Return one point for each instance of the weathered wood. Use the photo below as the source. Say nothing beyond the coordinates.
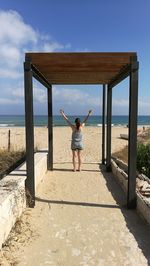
(50, 130)
(109, 118)
(83, 68)
(80, 68)
(123, 74)
(132, 148)
(80, 78)
(103, 124)
(30, 183)
(76, 68)
(80, 58)
(9, 140)
(39, 76)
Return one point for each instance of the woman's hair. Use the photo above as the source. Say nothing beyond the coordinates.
(78, 123)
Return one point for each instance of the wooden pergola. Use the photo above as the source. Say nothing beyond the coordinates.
(107, 69)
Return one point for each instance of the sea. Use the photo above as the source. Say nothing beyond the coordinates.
(42, 120)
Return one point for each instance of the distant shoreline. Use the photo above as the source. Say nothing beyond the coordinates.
(95, 121)
(64, 126)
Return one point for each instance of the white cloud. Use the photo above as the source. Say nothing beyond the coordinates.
(16, 95)
(14, 35)
(8, 101)
(144, 103)
(18, 92)
(40, 95)
(9, 55)
(75, 96)
(125, 103)
(52, 46)
(10, 73)
(120, 102)
(13, 29)
(16, 38)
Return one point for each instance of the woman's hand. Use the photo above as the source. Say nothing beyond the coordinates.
(66, 118)
(61, 111)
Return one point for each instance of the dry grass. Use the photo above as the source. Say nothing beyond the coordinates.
(8, 159)
(146, 137)
(21, 234)
(123, 154)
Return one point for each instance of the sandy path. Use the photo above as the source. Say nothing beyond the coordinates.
(80, 218)
(62, 138)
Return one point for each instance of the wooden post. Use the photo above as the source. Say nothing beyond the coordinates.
(30, 183)
(50, 130)
(9, 140)
(109, 114)
(103, 125)
(132, 149)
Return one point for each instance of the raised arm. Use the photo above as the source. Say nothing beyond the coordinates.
(66, 118)
(86, 118)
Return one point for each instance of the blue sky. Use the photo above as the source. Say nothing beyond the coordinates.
(51, 26)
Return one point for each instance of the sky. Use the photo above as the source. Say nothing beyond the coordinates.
(72, 26)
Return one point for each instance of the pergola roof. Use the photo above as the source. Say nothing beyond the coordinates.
(81, 68)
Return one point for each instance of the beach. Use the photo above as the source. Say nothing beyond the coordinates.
(62, 141)
(79, 218)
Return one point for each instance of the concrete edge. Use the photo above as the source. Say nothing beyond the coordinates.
(143, 209)
(12, 194)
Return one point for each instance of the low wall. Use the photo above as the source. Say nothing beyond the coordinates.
(143, 207)
(120, 175)
(12, 193)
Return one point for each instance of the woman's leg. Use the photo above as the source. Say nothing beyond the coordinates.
(74, 160)
(79, 160)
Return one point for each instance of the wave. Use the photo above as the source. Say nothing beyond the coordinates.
(7, 125)
(100, 125)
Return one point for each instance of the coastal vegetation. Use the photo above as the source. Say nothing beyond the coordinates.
(143, 154)
(9, 160)
(143, 159)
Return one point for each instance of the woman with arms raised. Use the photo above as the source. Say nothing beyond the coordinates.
(77, 138)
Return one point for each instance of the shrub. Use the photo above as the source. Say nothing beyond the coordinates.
(143, 159)
(9, 161)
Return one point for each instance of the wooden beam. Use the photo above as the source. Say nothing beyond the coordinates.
(81, 68)
(123, 74)
(80, 78)
(30, 183)
(39, 77)
(50, 130)
(109, 118)
(132, 149)
(80, 59)
(103, 124)
(76, 68)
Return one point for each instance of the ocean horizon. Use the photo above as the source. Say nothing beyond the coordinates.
(94, 120)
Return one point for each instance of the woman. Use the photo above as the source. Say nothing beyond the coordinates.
(77, 138)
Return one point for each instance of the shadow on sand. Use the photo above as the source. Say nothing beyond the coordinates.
(136, 225)
(70, 170)
(86, 204)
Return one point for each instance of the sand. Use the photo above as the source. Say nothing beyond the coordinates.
(80, 218)
(62, 139)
